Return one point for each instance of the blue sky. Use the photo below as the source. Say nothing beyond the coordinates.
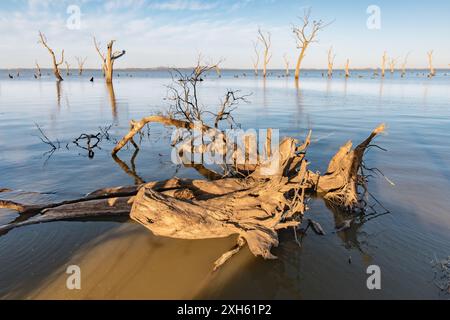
(174, 32)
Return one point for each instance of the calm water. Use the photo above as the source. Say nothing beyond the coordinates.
(120, 259)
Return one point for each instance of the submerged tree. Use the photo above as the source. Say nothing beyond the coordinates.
(256, 58)
(56, 64)
(405, 62)
(347, 70)
(108, 59)
(81, 63)
(331, 57)
(430, 63)
(67, 68)
(38, 73)
(306, 34)
(392, 63)
(286, 64)
(383, 64)
(266, 39)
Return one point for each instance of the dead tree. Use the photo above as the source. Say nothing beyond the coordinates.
(266, 39)
(405, 62)
(67, 68)
(305, 35)
(383, 64)
(108, 59)
(347, 70)
(43, 41)
(256, 58)
(430, 64)
(286, 64)
(392, 63)
(81, 63)
(331, 57)
(38, 73)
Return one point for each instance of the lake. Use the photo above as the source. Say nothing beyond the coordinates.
(120, 259)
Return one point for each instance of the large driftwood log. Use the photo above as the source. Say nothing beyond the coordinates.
(253, 207)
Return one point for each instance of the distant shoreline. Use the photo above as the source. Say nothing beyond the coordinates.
(223, 69)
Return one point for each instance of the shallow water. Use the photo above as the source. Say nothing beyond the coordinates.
(120, 259)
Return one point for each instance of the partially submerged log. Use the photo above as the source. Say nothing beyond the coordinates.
(254, 207)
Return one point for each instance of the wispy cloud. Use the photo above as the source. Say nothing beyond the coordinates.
(179, 5)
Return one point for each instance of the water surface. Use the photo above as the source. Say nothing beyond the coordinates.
(121, 259)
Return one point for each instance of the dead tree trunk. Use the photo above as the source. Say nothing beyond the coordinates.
(43, 41)
(331, 57)
(405, 62)
(81, 63)
(286, 64)
(38, 70)
(392, 64)
(347, 70)
(306, 34)
(109, 59)
(383, 64)
(430, 64)
(67, 68)
(265, 39)
(256, 59)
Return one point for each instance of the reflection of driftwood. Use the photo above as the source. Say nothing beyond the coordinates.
(131, 172)
(254, 207)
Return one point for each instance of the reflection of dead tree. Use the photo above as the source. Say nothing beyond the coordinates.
(430, 64)
(383, 64)
(112, 99)
(256, 58)
(81, 63)
(53, 145)
(331, 56)
(266, 39)
(38, 73)
(405, 62)
(108, 59)
(347, 70)
(90, 142)
(131, 172)
(43, 41)
(306, 34)
(286, 64)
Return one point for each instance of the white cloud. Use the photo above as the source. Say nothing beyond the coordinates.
(178, 5)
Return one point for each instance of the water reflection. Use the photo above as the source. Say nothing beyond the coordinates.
(130, 171)
(112, 100)
(58, 95)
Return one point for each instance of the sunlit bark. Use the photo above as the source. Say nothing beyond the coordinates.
(306, 34)
(266, 39)
(347, 70)
(383, 64)
(56, 64)
(108, 59)
(331, 57)
(286, 64)
(430, 63)
(81, 63)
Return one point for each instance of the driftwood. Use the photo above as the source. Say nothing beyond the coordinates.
(254, 206)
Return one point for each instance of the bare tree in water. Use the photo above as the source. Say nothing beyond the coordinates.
(56, 64)
(108, 59)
